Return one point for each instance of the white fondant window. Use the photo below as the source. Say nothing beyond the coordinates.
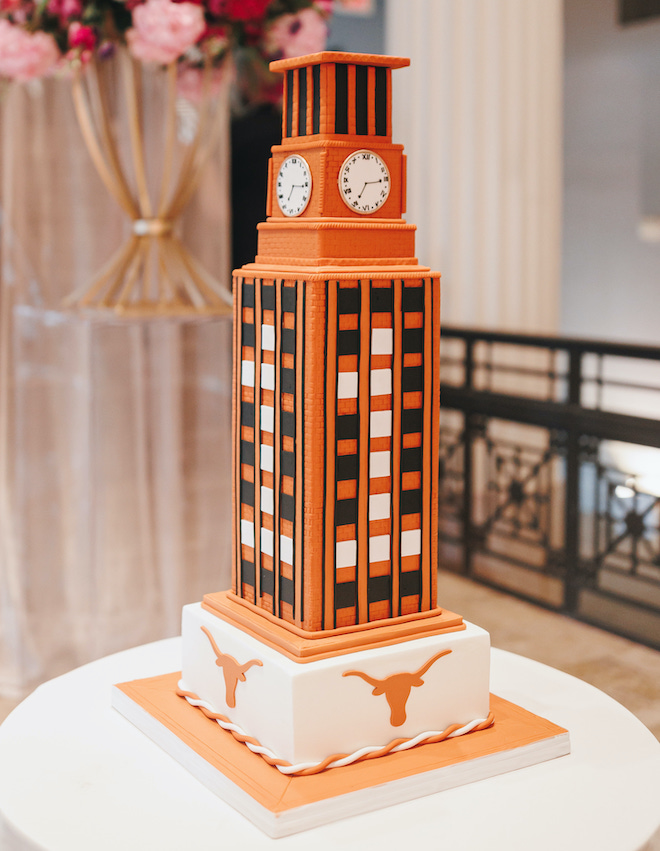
(381, 341)
(379, 548)
(381, 382)
(266, 500)
(267, 422)
(247, 373)
(347, 385)
(411, 542)
(379, 464)
(267, 376)
(379, 506)
(268, 337)
(380, 424)
(346, 553)
(266, 462)
(247, 533)
(266, 541)
(286, 549)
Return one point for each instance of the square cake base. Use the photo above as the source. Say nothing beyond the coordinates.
(282, 805)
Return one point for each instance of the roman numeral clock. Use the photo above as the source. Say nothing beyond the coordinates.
(336, 367)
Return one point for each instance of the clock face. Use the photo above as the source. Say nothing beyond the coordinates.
(293, 185)
(364, 182)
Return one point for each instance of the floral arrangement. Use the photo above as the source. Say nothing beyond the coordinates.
(39, 38)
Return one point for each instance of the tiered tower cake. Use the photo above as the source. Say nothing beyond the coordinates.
(336, 401)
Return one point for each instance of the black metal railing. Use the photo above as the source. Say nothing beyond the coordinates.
(550, 473)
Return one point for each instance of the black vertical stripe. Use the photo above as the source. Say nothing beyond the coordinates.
(341, 98)
(361, 100)
(336, 366)
(325, 567)
(289, 103)
(297, 413)
(381, 101)
(316, 98)
(302, 101)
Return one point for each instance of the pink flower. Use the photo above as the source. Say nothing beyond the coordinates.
(244, 10)
(164, 30)
(296, 35)
(24, 55)
(64, 9)
(81, 36)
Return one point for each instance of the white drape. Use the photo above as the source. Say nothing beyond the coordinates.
(114, 434)
(479, 112)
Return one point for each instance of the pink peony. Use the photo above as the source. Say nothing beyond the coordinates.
(296, 35)
(81, 36)
(164, 30)
(24, 55)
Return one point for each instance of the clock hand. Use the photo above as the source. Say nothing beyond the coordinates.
(369, 183)
(294, 186)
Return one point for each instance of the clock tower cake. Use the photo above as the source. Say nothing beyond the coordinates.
(330, 650)
(336, 387)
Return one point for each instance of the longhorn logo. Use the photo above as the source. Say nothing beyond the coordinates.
(233, 672)
(397, 687)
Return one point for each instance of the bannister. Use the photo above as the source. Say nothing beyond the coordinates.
(550, 482)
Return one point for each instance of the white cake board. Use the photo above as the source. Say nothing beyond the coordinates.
(281, 805)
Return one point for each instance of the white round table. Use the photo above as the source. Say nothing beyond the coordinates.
(75, 774)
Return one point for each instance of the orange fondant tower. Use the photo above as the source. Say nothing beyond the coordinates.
(336, 382)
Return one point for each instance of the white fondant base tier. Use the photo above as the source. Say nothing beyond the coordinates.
(306, 712)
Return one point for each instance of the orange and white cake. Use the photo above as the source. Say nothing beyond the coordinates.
(336, 390)
(331, 648)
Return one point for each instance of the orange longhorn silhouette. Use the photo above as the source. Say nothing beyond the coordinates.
(233, 672)
(396, 687)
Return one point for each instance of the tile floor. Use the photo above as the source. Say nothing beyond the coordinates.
(627, 671)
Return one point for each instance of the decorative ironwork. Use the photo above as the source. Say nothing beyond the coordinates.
(534, 482)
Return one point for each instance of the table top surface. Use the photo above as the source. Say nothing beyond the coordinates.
(75, 774)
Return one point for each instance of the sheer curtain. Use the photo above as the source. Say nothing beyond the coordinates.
(115, 444)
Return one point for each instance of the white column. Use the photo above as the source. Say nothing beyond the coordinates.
(479, 112)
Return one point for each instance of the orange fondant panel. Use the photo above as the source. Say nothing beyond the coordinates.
(513, 727)
(303, 645)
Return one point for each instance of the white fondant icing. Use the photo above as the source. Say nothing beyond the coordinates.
(346, 553)
(267, 420)
(379, 464)
(266, 458)
(247, 373)
(336, 763)
(381, 341)
(379, 506)
(379, 548)
(411, 542)
(381, 382)
(347, 385)
(268, 337)
(380, 424)
(305, 712)
(267, 376)
(266, 541)
(266, 500)
(247, 533)
(286, 549)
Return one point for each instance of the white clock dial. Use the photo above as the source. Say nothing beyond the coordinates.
(293, 185)
(364, 182)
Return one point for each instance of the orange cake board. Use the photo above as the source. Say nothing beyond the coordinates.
(281, 805)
